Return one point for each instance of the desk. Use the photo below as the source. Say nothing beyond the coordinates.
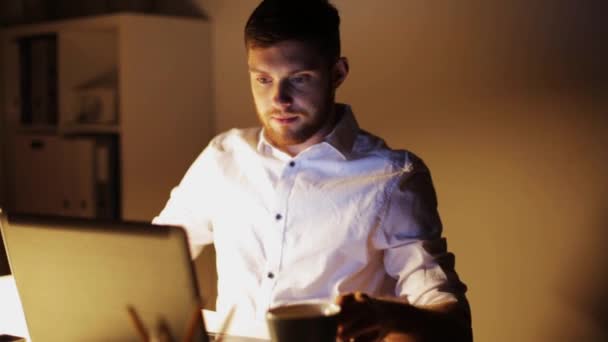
(12, 319)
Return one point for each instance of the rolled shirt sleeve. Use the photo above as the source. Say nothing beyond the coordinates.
(191, 203)
(415, 253)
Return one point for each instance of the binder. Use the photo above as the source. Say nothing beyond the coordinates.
(38, 69)
(76, 176)
(107, 177)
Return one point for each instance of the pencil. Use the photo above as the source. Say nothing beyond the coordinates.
(195, 318)
(139, 325)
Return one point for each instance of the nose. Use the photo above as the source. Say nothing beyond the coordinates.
(282, 96)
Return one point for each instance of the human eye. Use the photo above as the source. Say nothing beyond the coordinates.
(300, 79)
(263, 80)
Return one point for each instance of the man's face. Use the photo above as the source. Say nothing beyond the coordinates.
(293, 92)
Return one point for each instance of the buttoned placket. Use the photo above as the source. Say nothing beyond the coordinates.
(279, 218)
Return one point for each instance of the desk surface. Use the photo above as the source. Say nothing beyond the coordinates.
(12, 318)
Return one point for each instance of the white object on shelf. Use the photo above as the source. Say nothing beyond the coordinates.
(96, 105)
(88, 60)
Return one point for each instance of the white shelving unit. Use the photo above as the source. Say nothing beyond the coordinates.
(159, 70)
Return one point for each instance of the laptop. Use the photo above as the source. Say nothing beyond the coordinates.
(81, 280)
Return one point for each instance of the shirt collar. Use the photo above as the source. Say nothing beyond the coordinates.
(342, 137)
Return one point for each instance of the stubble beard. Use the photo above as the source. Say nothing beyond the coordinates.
(288, 136)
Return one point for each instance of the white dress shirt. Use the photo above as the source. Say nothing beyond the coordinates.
(347, 214)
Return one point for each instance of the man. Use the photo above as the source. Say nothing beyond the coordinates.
(311, 207)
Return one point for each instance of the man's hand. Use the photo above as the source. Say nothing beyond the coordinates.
(358, 318)
(364, 318)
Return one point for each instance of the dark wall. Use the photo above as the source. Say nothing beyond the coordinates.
(14, 12)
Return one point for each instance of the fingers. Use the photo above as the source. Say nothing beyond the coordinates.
(360, 332)
(361, 338)
(352, 297)
(352, 310)
(358, 325)
(358, 321)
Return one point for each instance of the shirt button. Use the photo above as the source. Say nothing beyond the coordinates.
(278, 217)
(270, 275)
(292, 163)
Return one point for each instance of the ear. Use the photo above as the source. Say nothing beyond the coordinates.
(339, 72)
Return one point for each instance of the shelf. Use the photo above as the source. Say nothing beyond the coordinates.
(71, 129)
(133, 57)
(37, 129)
(74, 129)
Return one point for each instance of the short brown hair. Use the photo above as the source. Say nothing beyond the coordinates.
(315, 22)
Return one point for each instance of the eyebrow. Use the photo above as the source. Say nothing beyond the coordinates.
(256, 70)
(252, 69)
